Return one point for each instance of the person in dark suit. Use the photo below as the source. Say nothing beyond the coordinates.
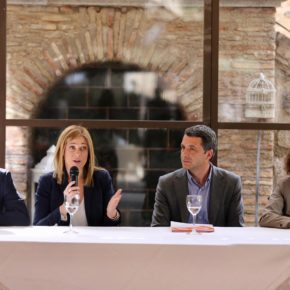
(221, 190)
(98, 202)
(13, 211)
(276, 214)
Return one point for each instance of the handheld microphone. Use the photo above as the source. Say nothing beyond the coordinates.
(74, 173)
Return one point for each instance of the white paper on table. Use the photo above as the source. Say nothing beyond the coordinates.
(185, 227)
(180, 227)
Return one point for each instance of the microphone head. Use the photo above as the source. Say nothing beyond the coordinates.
(74, 170)
(74, 173)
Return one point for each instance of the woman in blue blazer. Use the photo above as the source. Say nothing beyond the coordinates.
(98, 202)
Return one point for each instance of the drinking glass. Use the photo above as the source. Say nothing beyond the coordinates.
(194, 203)
(71, 204)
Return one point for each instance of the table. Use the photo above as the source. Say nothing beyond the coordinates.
(127, 258)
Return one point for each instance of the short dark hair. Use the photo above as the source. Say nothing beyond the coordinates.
(207, 135)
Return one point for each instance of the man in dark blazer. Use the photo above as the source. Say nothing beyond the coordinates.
(13, 211)
(221, 189)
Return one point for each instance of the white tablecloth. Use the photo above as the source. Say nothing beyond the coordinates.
(43, 258)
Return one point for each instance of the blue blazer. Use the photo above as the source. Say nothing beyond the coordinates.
(225, 208)
(49, 196)
(13, 211)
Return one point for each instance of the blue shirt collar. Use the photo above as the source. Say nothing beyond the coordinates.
(191, 178)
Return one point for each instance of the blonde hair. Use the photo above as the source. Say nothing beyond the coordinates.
(73, 132)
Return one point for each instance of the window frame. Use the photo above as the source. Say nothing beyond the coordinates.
(210, 91)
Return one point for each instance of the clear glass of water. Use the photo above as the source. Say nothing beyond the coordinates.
(194, 203)
(71, 203)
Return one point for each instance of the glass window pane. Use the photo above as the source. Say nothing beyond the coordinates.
(258, 157)
(63, 60)
(253, 81)
(133, 161)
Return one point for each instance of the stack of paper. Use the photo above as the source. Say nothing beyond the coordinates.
(187, 228)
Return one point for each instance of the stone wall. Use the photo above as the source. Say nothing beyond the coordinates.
(238, 152)
(46, 42)
(247, 48)
(282, 138)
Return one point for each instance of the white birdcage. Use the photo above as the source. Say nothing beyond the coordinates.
(260, 99)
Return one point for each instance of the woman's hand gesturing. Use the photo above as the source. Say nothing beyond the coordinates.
(112, 212)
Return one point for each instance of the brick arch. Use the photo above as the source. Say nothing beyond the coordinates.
(109, 38)
(83, 35)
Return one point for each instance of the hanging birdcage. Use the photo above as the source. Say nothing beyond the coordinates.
(260, 99)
